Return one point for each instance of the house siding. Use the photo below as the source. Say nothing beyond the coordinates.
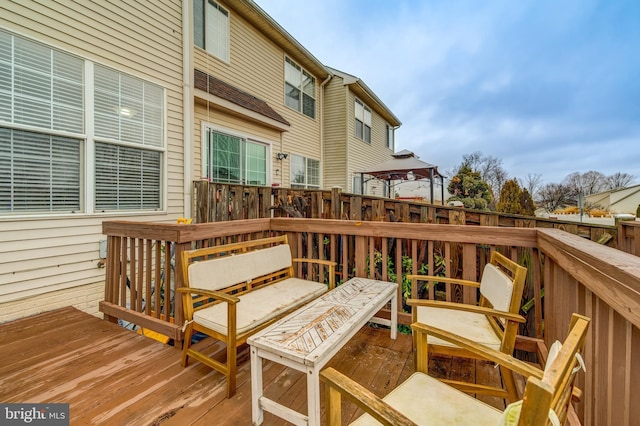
(335, 135)
(48, 262)
(256, 66)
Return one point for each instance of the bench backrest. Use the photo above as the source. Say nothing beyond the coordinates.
(226, 271)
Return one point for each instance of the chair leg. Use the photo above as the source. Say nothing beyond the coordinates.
(186, 344)
(509, 383)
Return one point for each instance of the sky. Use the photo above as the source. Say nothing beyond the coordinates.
(547, 87)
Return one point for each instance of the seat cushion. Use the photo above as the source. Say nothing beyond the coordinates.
(261, 305)
(427, 401)
(466, 324)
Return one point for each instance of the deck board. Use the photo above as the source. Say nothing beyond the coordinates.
(110, 375)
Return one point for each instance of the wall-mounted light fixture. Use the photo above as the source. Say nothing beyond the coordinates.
(281, 156)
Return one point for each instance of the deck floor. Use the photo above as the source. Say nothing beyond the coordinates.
(110, 375)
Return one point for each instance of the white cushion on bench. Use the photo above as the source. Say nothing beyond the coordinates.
(428, 401)
(260, 305)
(225, 271)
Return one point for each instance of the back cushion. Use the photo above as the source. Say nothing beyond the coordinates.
(496, 287)
(215, 274)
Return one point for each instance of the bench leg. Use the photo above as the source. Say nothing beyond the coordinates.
(231, 368)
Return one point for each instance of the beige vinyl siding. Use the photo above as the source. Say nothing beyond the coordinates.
(335, 135)
(51, 262)
(363, 155)
(256, 66)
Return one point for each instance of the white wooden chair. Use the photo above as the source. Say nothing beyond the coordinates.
(492, 323)
(423, 400)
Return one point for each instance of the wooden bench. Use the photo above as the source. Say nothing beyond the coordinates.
(234, 290)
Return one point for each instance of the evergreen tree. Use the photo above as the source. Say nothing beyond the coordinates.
(468, 187)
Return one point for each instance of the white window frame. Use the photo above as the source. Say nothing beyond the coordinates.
(88, 140)
(307, 164)
(243, 165)
(362, 115)
(215, 25)
(294, 81)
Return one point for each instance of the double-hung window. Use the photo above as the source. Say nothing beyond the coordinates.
(305, 172)
(234, 159)
(390, 137)
(363, 121)
(53, 152)
(128, 141)
(211, 28)
(299, 89)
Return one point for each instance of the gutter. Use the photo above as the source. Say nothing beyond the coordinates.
(322, 128)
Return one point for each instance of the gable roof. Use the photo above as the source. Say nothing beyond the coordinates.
(219, 88)
(358, 87)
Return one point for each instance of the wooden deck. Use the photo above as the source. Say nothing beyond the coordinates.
(110, 375)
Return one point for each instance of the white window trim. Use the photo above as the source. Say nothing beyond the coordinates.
(315, 83)
(365, 109)
(306, 183)
(226, 60)
(231, 132)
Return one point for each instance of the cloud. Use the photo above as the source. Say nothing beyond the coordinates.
(548, 87)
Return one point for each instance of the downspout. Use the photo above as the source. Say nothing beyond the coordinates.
(187, 104)
(322, 128)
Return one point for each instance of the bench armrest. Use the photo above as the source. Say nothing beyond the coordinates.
(498, 357)
(329, 263)
(339, 384)
(467, 308)
(209, 293)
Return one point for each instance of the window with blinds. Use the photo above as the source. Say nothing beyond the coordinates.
(40, 89)
(299, 89)
(43, 140)
(363, 121)
(305, 172)
(211, 28)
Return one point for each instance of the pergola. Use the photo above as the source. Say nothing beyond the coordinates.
(404, 166)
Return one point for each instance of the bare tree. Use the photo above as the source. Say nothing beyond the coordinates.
(532, 183)
(490, 169)
(619, 180)
(587, 183)
(553, 196)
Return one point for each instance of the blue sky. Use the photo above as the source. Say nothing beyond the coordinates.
(548, 87)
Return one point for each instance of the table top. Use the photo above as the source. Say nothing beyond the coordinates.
(315, 331)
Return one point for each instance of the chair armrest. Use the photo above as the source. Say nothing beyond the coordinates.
(467, 308)
(443, 280)
(363, 398)
(501, 358)
(210, 293)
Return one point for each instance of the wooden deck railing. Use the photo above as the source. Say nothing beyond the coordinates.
(575, 274)
(629, 236)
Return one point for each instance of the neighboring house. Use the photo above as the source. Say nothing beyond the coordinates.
(624, 200)
(109, 110)
(260, 121)
(359, 133)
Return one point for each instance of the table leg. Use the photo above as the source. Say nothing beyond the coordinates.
(257, 414)
(394, 315)
(313, 396)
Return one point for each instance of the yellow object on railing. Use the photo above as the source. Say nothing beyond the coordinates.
(184, 221)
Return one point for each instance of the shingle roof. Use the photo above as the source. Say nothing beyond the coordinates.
(232, 94)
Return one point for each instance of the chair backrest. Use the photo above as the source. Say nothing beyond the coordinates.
(231, 266)
(502, 283)
(554, 390)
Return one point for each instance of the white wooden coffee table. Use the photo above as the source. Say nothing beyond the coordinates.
(308, 338)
